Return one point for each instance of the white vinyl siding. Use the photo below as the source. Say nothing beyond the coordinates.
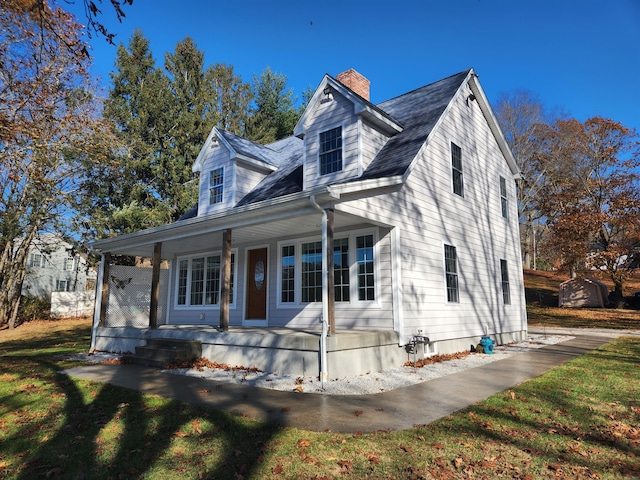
(337, 113)
(427, 215)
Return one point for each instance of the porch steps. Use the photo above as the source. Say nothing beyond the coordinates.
(160, 352)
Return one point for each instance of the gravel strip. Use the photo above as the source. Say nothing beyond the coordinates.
(373, 382)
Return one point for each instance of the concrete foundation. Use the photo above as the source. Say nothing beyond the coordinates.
(292, 351)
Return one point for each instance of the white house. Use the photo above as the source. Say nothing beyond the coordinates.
(394, 226)
(53, 266)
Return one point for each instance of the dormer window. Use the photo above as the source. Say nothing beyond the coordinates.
(331, 151)
(216, 182)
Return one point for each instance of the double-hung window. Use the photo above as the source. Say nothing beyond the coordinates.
(451, 273)
(353, 270)
(504, 202)
(36, 260)
(216, 186)
(199, 280)
(312, 272)
(341, 282)
(364, 254)
(62, 285)
(69, 265)
(504, 274)
(330, 151)
(456, 169)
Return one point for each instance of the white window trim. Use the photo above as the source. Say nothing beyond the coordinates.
(444, 274)
(318, 166)
(462, 170)
(506, 195)
(176, 278)
(209, 187)
(353, 271)
(500, 291)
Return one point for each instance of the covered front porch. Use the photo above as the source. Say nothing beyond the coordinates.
(273, 350)
(306, 337)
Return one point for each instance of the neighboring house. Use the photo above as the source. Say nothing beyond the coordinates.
(53, 267)
(373, 231)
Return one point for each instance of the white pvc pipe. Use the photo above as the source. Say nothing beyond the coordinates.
(325, 294)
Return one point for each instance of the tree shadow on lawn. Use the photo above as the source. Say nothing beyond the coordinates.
(142, 429)
(574, 435)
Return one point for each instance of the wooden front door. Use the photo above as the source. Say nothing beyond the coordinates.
(257, 285)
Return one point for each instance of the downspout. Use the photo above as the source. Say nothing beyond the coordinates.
(325, 294)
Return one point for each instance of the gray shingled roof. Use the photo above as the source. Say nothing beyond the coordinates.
(418, 111)
(287, 179)
(250, 149)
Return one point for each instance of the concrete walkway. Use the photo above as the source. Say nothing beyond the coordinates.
(393, 410)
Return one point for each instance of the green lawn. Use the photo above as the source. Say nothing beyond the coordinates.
(581, 420)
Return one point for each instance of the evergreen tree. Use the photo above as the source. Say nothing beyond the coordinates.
(232, 98)
(275, 116)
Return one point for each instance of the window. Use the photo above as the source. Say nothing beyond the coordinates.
(331, 151)
(503, 197)
(69, 264)
(341, 269)
(451, 272)
(216, 181)
(36, 260)
(288, 269)
(62, 285)
(300, 275)
(504, 272)
(364, 259)
(199, 280)
(456, 169)
(312, 272)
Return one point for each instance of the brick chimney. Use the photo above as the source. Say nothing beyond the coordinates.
(356, 82)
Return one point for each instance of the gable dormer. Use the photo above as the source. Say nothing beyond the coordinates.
(342, 130)
(229, 168)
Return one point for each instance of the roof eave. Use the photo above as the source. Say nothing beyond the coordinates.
(254, 213)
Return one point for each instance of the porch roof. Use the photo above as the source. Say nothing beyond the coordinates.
(284, 217)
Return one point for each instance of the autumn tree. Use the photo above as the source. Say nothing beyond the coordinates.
(591, 198)
(47, 113)
(523, 118)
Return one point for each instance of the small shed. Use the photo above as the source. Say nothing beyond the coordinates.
(583, 292)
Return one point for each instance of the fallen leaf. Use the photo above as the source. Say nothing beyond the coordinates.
(357, 413)
(406, 448)
(277, 470)
(303, 443)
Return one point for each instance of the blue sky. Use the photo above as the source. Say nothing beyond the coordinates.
(579, 55)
